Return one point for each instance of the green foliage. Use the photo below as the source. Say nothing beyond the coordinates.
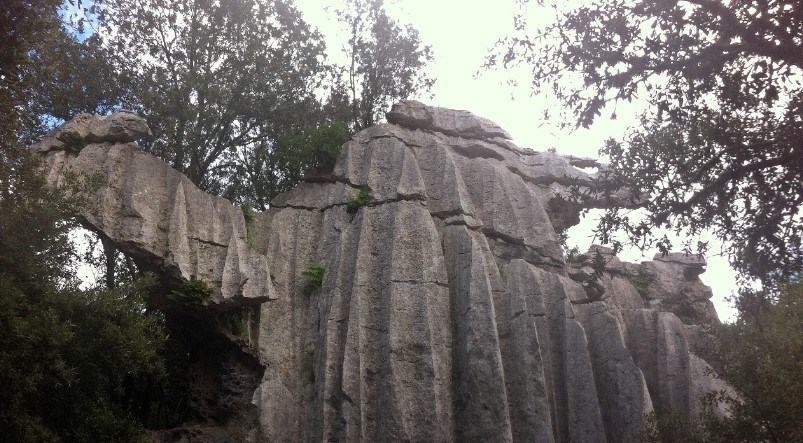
(233, 96)
(268, 170)
(34, 227)
(73, 143)
(237, 321)
(82, 365)
(314, 149)
(71, 361)
(314, 274)
(573, 255)
(504, 273)
(232, 77)
(598, 263)
(641, 283)
(26, 28)
(388, 60)
(248, 214)
(761, 355)
(356, 202)
(671, 428)
(719, 149)
(192, 293)
(46, 74)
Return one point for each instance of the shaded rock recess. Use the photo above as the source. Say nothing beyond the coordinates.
(446, 312)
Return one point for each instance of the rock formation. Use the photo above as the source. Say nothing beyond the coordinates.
(446, 311)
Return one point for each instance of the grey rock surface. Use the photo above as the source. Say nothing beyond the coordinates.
(154, 213)
(447, 311)
(414, 114)
(120, 127)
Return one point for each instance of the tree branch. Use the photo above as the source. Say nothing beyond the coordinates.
(725, 177)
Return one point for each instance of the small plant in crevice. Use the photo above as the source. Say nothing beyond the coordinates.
(236, 321)
(314, 274)
(250, 244)
(573, 255)
(353, 204)
(73, 142)
(592, 283)
(598, 263)
(248, 214)
(641, 283)
(504, 273)
(193, 292)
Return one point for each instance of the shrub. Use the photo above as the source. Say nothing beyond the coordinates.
(314, 274)
(504, 273)
(248, 214)
(641, 283)
(671, 427)
(237, 321)
(193, 292)
(73, 143)
(356, 202)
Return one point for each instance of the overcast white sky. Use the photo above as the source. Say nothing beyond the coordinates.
(461, 32)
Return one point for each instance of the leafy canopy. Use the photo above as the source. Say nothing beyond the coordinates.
(721, 148)
(213, 77)
(272, 168)
(387, 60)
(236, 91)
(45, 73)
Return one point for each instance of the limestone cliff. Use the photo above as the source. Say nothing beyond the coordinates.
(446, 311)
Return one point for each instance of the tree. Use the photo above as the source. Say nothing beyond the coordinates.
(762, 357)
(26, 27)
(221, 83)
(46, 74)
(269, 170)
(212, 77)
(75, 363)
(722, 147)
(74, 77)
(387, 61)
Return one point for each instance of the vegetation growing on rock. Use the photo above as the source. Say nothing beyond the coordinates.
(192, 293)
(314, 274)
(357, 201)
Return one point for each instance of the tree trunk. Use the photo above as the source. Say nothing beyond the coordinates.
(111, 254)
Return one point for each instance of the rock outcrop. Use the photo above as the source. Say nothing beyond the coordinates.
(446, 310)
(153, 212)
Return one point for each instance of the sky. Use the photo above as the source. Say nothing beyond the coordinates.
(461, 33)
